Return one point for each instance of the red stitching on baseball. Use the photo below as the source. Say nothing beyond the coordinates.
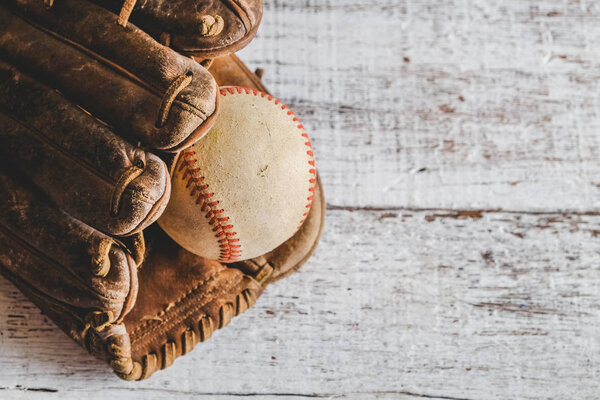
(226, 248)
(312, 171)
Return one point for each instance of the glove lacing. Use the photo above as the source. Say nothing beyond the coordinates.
(125, 13)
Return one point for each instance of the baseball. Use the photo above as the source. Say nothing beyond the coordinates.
(247, 186)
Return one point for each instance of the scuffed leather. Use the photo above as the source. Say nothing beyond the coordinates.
(118, 74)
(179, 290)
(231, 71)
(181, 21)
(76, 160)
(52, 253)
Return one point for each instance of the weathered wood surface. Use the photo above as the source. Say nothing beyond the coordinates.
(458, 144)
(447, 103)
(395, 304)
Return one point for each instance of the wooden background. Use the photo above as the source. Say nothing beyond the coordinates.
(458, 142)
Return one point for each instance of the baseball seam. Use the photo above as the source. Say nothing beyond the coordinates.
(229, 246)
(311, 162)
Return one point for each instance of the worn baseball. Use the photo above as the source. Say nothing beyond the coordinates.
(247, 186)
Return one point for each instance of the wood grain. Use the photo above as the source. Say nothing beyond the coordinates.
(393, 305)
(458, 144)
(448, 103)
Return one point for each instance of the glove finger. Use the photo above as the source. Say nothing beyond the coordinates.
(146, 91)
(206, 29)
(77, 161)
(61, 260)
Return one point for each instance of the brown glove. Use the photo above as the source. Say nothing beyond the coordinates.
(70, 183)
(204, 29)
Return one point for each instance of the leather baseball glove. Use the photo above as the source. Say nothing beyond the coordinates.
(93, 112)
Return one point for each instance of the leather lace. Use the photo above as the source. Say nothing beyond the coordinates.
(126, 11)
(126, 177)
(172, 92)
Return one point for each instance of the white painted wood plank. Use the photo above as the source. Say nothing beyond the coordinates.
(443, 103)
(393, 304)
(458, 104)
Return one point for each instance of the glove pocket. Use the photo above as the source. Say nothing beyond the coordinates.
(77, 161)
(182, 300)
